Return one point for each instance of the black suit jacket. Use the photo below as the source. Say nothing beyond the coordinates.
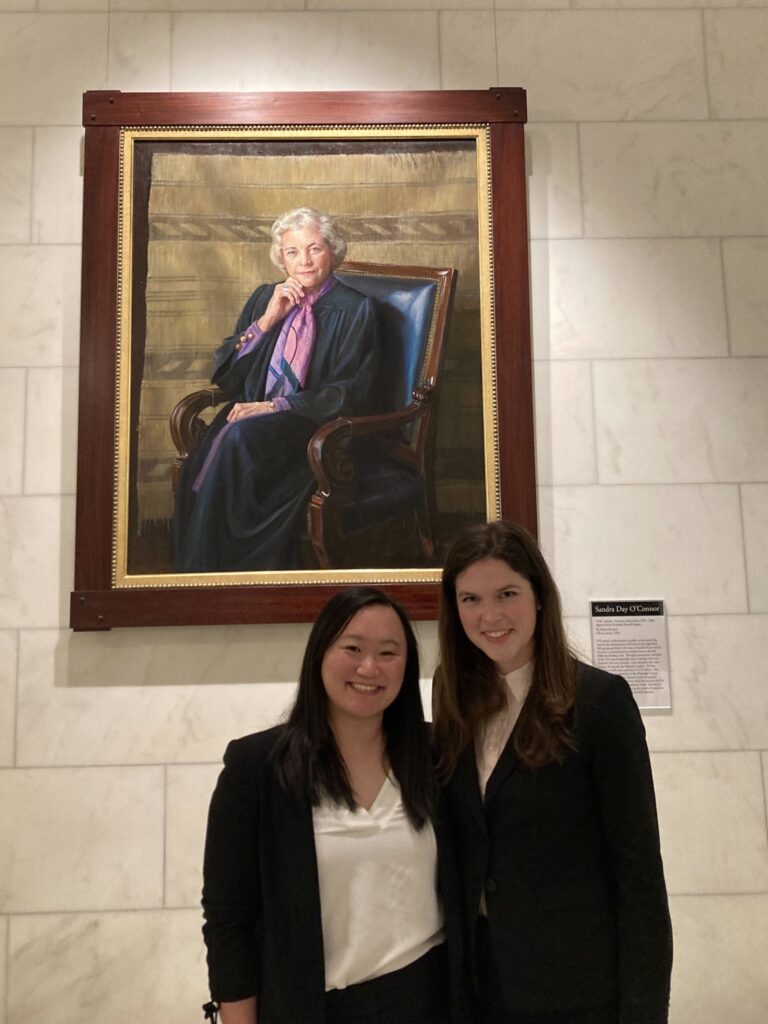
(568, 856)
(261, 896)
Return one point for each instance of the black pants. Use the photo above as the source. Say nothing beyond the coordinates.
(416, 994)
(492, 1009)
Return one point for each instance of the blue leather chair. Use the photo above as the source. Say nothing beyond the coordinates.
(361, 484)
(370, 470)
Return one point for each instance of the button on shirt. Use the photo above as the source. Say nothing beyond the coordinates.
(378, 888)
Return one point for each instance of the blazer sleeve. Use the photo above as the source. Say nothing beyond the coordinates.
(231, 893)
(624, 784)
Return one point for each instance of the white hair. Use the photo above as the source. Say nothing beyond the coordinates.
(303, 217)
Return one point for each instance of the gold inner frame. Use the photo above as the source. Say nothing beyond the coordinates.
(122, 456)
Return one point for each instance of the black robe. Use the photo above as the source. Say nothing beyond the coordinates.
(249, 511)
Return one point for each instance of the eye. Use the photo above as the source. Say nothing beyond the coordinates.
(289, 252)
(351, 648)
(387, 654)
(467, 599)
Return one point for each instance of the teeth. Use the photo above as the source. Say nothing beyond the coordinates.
(363, 688)
(496, 633)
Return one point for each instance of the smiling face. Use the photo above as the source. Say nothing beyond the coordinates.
(497, 607)
(363, 669)
(307, 256)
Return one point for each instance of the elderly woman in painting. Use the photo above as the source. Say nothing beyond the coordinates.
(305, 350)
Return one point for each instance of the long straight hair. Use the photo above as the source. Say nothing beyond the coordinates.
(307, 758)
(469, 689)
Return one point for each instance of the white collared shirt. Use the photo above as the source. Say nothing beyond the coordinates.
(498, 729)
(378, 888)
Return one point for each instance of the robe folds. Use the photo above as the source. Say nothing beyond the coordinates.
(248, 513)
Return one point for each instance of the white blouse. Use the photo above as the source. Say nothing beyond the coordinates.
(378, 888)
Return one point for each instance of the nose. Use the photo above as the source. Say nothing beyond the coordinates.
(368, 667)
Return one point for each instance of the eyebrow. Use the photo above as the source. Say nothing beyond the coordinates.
(506, 586)
(357, 636)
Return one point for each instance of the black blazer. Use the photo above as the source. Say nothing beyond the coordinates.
(569, 859)
(261, 895)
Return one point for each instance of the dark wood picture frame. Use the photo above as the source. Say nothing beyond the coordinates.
(99, 601)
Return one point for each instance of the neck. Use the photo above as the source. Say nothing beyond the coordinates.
(357, 738)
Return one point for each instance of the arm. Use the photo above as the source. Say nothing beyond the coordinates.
(241, 1012)
(231, 899)
(624, 783)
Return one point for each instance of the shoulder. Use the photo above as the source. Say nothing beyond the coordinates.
(344, 297)
(251, 753)
(604, 699)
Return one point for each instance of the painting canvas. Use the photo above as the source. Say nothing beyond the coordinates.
(200, 212)
(194, 209)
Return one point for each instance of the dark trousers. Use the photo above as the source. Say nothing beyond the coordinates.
(416, 994)
(492, 1009)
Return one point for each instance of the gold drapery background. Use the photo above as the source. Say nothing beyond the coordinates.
(210, 209)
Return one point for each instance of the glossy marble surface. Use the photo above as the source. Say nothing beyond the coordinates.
(554, 181)
(69, 839)
(719, 970)
(682, 543)
(628, 298)
(736, 59)
(633, 65)
(565, 429)
(704, 421)
(754, 506)
(712, 821)
(117, 967)
(39, 305)
(46, 62)
(8, 671)
(393, 50)
(670, 179)
(12, 401)
(746, 281)
(15, 193)
(717, 668)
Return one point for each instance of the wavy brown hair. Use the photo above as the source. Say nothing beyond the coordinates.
(468, 688)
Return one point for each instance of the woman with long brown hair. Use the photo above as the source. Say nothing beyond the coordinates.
(548, 779)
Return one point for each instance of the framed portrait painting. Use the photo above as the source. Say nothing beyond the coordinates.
(305, 348)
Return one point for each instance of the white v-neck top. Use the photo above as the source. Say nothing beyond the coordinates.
(378, 888)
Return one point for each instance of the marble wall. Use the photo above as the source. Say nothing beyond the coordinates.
(648, 142)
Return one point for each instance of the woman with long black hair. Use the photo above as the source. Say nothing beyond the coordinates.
(327, 877)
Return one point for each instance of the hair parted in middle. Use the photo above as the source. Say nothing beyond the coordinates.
(468, 687)
(306, 757)
(305, 217)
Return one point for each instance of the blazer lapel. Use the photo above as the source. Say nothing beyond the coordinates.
(507, 763)
(466, 787)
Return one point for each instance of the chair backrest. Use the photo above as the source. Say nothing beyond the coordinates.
(414, 304)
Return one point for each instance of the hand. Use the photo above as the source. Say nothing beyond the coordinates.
(284, 298)
(244, 410)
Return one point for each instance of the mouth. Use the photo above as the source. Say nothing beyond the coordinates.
(497, 634)
(364, 687)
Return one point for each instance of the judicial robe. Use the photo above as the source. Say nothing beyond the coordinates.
(248, 513)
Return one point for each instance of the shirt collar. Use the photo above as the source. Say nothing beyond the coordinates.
(519, 681)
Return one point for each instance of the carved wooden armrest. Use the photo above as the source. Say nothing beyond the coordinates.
(186, 426)
(327, 452)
